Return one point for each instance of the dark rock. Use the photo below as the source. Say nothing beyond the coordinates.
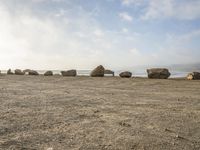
(48, 73)
(125, 74)
(158, 73)
(19, 72)
(193, 76)
(71, 73)
(33, 72)
(9, 72)
(98, 72)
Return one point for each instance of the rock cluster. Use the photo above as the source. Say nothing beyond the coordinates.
(100, 71)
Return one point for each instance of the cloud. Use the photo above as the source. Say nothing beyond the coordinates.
(135, 52)
(98, 33)
(184, 38)
(29, 39)
(41, 1)
(161, 9)
(41, 42)
(179, 49)
(132, 2)
(125, 16)
(124, 30)
(70, 36)
(189, 10)
(127, 2)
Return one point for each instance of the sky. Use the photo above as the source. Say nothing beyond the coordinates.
(80, 34)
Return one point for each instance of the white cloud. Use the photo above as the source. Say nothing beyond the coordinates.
(60, 13)
(177, 49)
(29, 39)
(189, 10)
(98, 33)
(40, 1)
(132, 2)
(181, 40)
(135, 52)
(125, 16)
(127, 2)
(160, 9)
(124, 30)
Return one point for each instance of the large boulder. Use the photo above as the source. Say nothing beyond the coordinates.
(193, 76)
(109, 72)
(19, 72)
(48, 73)
(9, 72)
(158, 73)
(33, 73)
(125, 74)
(69, 73)
(98, 72)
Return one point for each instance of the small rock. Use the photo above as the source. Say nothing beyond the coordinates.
(122, 123)
(19, 72)
(96, 111)
(33, 72)
(125, 74)
(10, 72)
(48, 73)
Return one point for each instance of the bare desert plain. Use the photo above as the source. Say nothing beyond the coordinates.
(109, 113)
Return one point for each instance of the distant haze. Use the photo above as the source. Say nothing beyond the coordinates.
(80, 34)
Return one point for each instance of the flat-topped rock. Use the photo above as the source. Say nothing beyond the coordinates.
(125, 74)
(158, 73)
(71, 73)
(33, 73)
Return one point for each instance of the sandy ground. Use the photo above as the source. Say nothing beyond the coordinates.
(63, 113)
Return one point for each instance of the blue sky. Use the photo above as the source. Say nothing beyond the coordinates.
(65, 34)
